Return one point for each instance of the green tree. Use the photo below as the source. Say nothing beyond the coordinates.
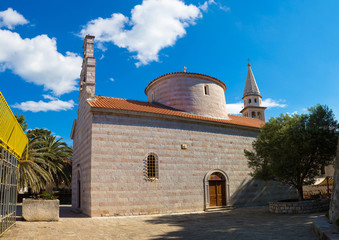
(22, 121)
(33, 173)
(59, 155)
(38, 133)
(293, 149)
(49, 159)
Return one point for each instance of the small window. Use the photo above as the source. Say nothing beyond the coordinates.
(255, 100)
(253, 114)
(206, 90)
(153, 96)
(152, 167)
(249, 101)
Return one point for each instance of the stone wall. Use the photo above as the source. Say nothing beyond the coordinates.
(120, 144)
(307, 206)
(82, 132)
(81, 162)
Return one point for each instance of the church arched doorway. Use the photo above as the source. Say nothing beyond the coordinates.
(216, 189)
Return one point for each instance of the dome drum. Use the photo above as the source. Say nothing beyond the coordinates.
(190, 92)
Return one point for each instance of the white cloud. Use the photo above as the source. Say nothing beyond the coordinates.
(206, 4)
(235, 108)
(154, 25)
(49, 97)
(37, 61)
(293, 113)
(224, 8)
(111, 79)
(11, 18)
(41, 106)
(270, 103)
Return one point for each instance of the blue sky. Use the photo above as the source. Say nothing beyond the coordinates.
(292, 47)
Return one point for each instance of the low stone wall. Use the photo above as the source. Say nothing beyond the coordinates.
(308, 206)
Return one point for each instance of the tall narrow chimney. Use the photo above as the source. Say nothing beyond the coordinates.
(87, 76)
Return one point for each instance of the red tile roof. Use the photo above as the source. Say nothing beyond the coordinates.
(138, 106)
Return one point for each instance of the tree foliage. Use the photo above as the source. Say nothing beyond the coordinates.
(22, 121)
(293, 149)
(49, 160)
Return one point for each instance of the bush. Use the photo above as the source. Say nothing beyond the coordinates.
(337, 222)
(48, 196)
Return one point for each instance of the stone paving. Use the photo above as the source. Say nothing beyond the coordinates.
(241, 223)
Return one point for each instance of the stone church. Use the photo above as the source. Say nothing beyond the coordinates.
(180, 151)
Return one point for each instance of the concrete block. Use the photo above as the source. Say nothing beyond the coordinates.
(40, 210)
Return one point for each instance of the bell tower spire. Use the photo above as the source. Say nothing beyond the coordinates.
(252, 98)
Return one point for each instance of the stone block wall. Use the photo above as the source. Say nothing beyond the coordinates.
(81, 162)
(308, 206)
(120, 143)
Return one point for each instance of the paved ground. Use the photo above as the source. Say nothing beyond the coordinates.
(242, 223)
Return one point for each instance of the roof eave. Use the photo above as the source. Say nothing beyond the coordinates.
(178, 118)
(258, 107)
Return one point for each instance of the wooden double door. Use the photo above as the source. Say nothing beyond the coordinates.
(217, 193)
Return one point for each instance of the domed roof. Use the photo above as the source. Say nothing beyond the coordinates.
(193, 93)
(186, 74)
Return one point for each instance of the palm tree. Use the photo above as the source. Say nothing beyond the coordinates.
(32, 172)
(59, 156)
(49, 161)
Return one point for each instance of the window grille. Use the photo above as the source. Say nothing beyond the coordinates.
(152, 167)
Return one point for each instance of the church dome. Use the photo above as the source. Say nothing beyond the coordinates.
(190, 92)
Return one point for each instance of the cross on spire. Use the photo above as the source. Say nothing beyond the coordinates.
(185, 69)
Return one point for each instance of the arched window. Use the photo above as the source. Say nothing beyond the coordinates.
(206, 90)
(152, 167)
(249, 100)
(253, 114)
(255, 100)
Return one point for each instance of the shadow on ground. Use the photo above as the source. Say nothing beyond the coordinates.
(245, 223)
(65, 211)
